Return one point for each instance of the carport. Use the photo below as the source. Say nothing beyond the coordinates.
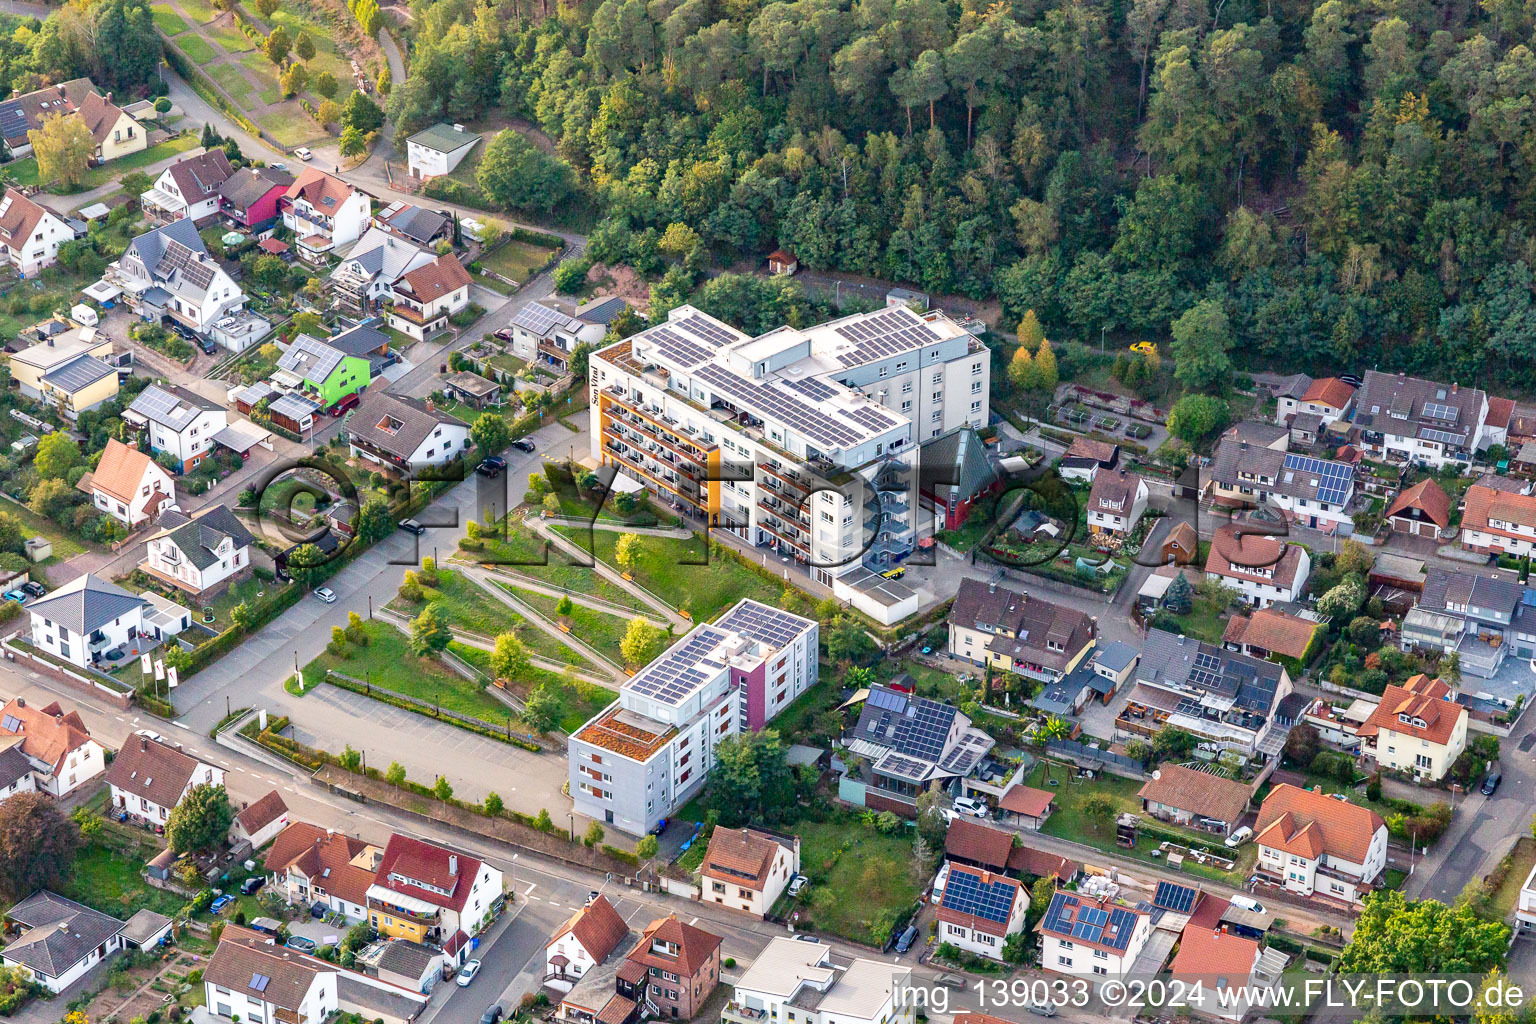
(241, 436)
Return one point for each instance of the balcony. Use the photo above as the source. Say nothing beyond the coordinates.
(777, 478)
(642, 427)
(653, 454)
(415, 916)
(768, 527)
(682, 490)
(553, 352)
(737, 1013)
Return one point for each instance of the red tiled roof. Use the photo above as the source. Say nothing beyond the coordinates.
(1272, 630)
(1206, 952)
(950, 915)
(263, 812)
(323, 857)
(1027, 800)
(1200, 793)
(597, 926)
(47, 733)
(1342, 829)
(1499, 411)
(1427, 700)
(1329, 391)
(1026, 860)
(1485, 503)
(429, 863)
(741, 856)
(695, 946)
(981, 844)
(1427, 496)
(1236, 555)
(438, 278)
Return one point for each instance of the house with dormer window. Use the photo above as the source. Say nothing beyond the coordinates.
(1312, 843)
(168, 272)
(405, 434)
(1417, 728)
(1407, 419)
(177, 420)
(1116, 502)
(324, 213)
(189, 188)
(30, 236)
(431, 894)
(202, 554)
(1021, 633)
(1264, 569)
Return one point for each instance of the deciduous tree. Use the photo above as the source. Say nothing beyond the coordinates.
(37, 845)
(63, 147)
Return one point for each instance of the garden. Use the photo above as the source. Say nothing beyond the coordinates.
(863, 879)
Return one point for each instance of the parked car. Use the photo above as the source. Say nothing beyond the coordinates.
(502, 334)
(492, 1014)
(1239, 837)
(34, 588)
(1491, 783)
(592, 895)
(300, 943)
(207, 345)
(467, 973)
(807, 938)
(346, 403)
(303, 154)
(326, 594)
(1042, 1009)
(522, 444)
(940, 880)
(970, 805)
(412, 526)
(797, 885)
(491, 466)
(218, 905)
(19, 596)
(251, 884)
(907, 938)
(1248, 903)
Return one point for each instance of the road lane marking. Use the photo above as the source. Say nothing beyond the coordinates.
(693, 922)
(531, 886)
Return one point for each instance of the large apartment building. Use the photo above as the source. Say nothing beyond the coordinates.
(802, 441)
(650, 751)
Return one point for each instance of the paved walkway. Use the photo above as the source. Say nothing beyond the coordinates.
(597, 604)
(607, 572)
(581, 647)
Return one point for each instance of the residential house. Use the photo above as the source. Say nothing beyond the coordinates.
(1204, 800)
(429, 893)
(168, 272)
(61, 940)
(1314, 844)
(1525, 910)
(405, 434)
(310, 865)
(1112, 662)
(410, 965)
(583, 942)
(248, 199)
(746, 869)
(419, 227)
(367, 275)
(25, 113)
(910, 743)
(646, 754)
(259, 823)
(1484, 620)
(57, 747)
(1182, 546)
(1339, 727)
(149, 777)
(85, 617)
(203, 554)
(1270, 632)
(1219, 965)
(128, 485)
(63, 347)
(1227, 700)
(437, 150)
(1257, 434)
(680, 965)
(1418, 728)
(179, 421)
(29, 234)
(189, 188)
(113, 130)
(1499, 518)
(1423, 510)
(1310, 492)
(1087, 937)
(1288, 395)
(79, 385)
(980, 910)
(324, 373)
(1263, 569)
(819, 986)
(979, 845)
(1018, 633)
(1116, 502)
(1325, 401)
(425, 297)
(472, 389)
(1086, 456)
(1404, 418)
(547, 331)
(324, 213)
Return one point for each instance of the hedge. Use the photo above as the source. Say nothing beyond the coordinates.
(533, 237)
(385, 696)
(263, 611)
(623, 855)
(155, 705)
(446, 188)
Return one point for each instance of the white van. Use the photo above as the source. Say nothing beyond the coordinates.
(1239, 837)
(84, 315)
(1247, 903)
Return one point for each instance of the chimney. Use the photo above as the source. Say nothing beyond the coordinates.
(453, 863)
(1454, 386)
(431, 406)
(143, 744)
(21, 702)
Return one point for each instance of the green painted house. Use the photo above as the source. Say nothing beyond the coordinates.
(327, 374)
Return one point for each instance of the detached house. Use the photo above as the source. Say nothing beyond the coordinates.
(583, 942)
(42, 371)
(30, 235)
(202, 554)
(114, 132)
(429, 893)
(128, 485)
(61, 940)
(60, 754)
(167, 272)
(1423, 510)
(1194, 799)
(253, 979)
(248, 198)
(310, 865)
(149, 777)
(323, 372)
(1018, 633)
(1116, 502)
(179, 421)
(1499, 518)
(405, 434)
(1310, 844)
(324, 213)
(980, 910)
(1262, 568)
(1229, 701)
(1404, 418)
(1417, 728)
(675, 966)
(425, 297)
(819, 986)
(547, 331)
(258, 823)
(1088, 937)
(415, 225)
(370, 271)
(747, 870)
(25, 113)
(84, 617)
(1086, 457)
(189, 188)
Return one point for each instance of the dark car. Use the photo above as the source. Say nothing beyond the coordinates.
(251, 884)
(491, 467)
(207, 345)
(522, 444)
(412, 526)
(907, 938)
(492, 1014)
(1491, 783)
(35, 589)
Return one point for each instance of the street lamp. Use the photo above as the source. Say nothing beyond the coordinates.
(514, 876)
(572, 816)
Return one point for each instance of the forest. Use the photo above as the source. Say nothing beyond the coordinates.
(1352, 182)
(112, 42)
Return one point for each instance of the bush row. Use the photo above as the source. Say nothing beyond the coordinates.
(263, 611)
(204, 86)
(533, 237)
(385, 696)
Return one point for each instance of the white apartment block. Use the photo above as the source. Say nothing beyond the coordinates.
(813, 984)
(650, 751)
(1088, 937)
(799, 441)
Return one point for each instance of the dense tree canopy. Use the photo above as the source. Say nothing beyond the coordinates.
(1325, 181)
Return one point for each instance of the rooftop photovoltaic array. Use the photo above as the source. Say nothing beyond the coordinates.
(1175, 897)
(1112, 928)
(991, 900)
(760, 622)
(1334, 479)
(1436, 411)
(537, 319)
(13, 120)
(814, 389)
(886, 334)
(675, 674)
(685, 352)
(904, 767)
(293, 407)
(706, 329)
(781, 404)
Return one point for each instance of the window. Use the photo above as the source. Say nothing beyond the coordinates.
(1064, 961)
(906, 387)
(938, 396)
(938, 378)
(906, 406)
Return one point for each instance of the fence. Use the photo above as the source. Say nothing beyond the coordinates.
(491, 730)
(1092, 757)
(120, 695)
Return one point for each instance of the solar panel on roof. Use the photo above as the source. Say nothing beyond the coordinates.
(889, 700)
(537, 319)
(966, 893)
(11, 724)
(684, 351)
(817, 390)
(1334, 479)
(1174, 897)
(707, 329)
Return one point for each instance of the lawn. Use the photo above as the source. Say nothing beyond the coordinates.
(517, 260)
(1068, 821)
(291, 126)
(110, 881)
(1204, 621)
(861, 881)
(1522, 858)
(197, 49)
(257, 65)
(230, 38)
(681, 573)
(599, 629)
(98, 176)
(65, 546)
(167, 20)
(582, 700)
(519, 551)
(232, 81)
(471, 609)
(200, 11)
(388, 661)
(244, 591)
